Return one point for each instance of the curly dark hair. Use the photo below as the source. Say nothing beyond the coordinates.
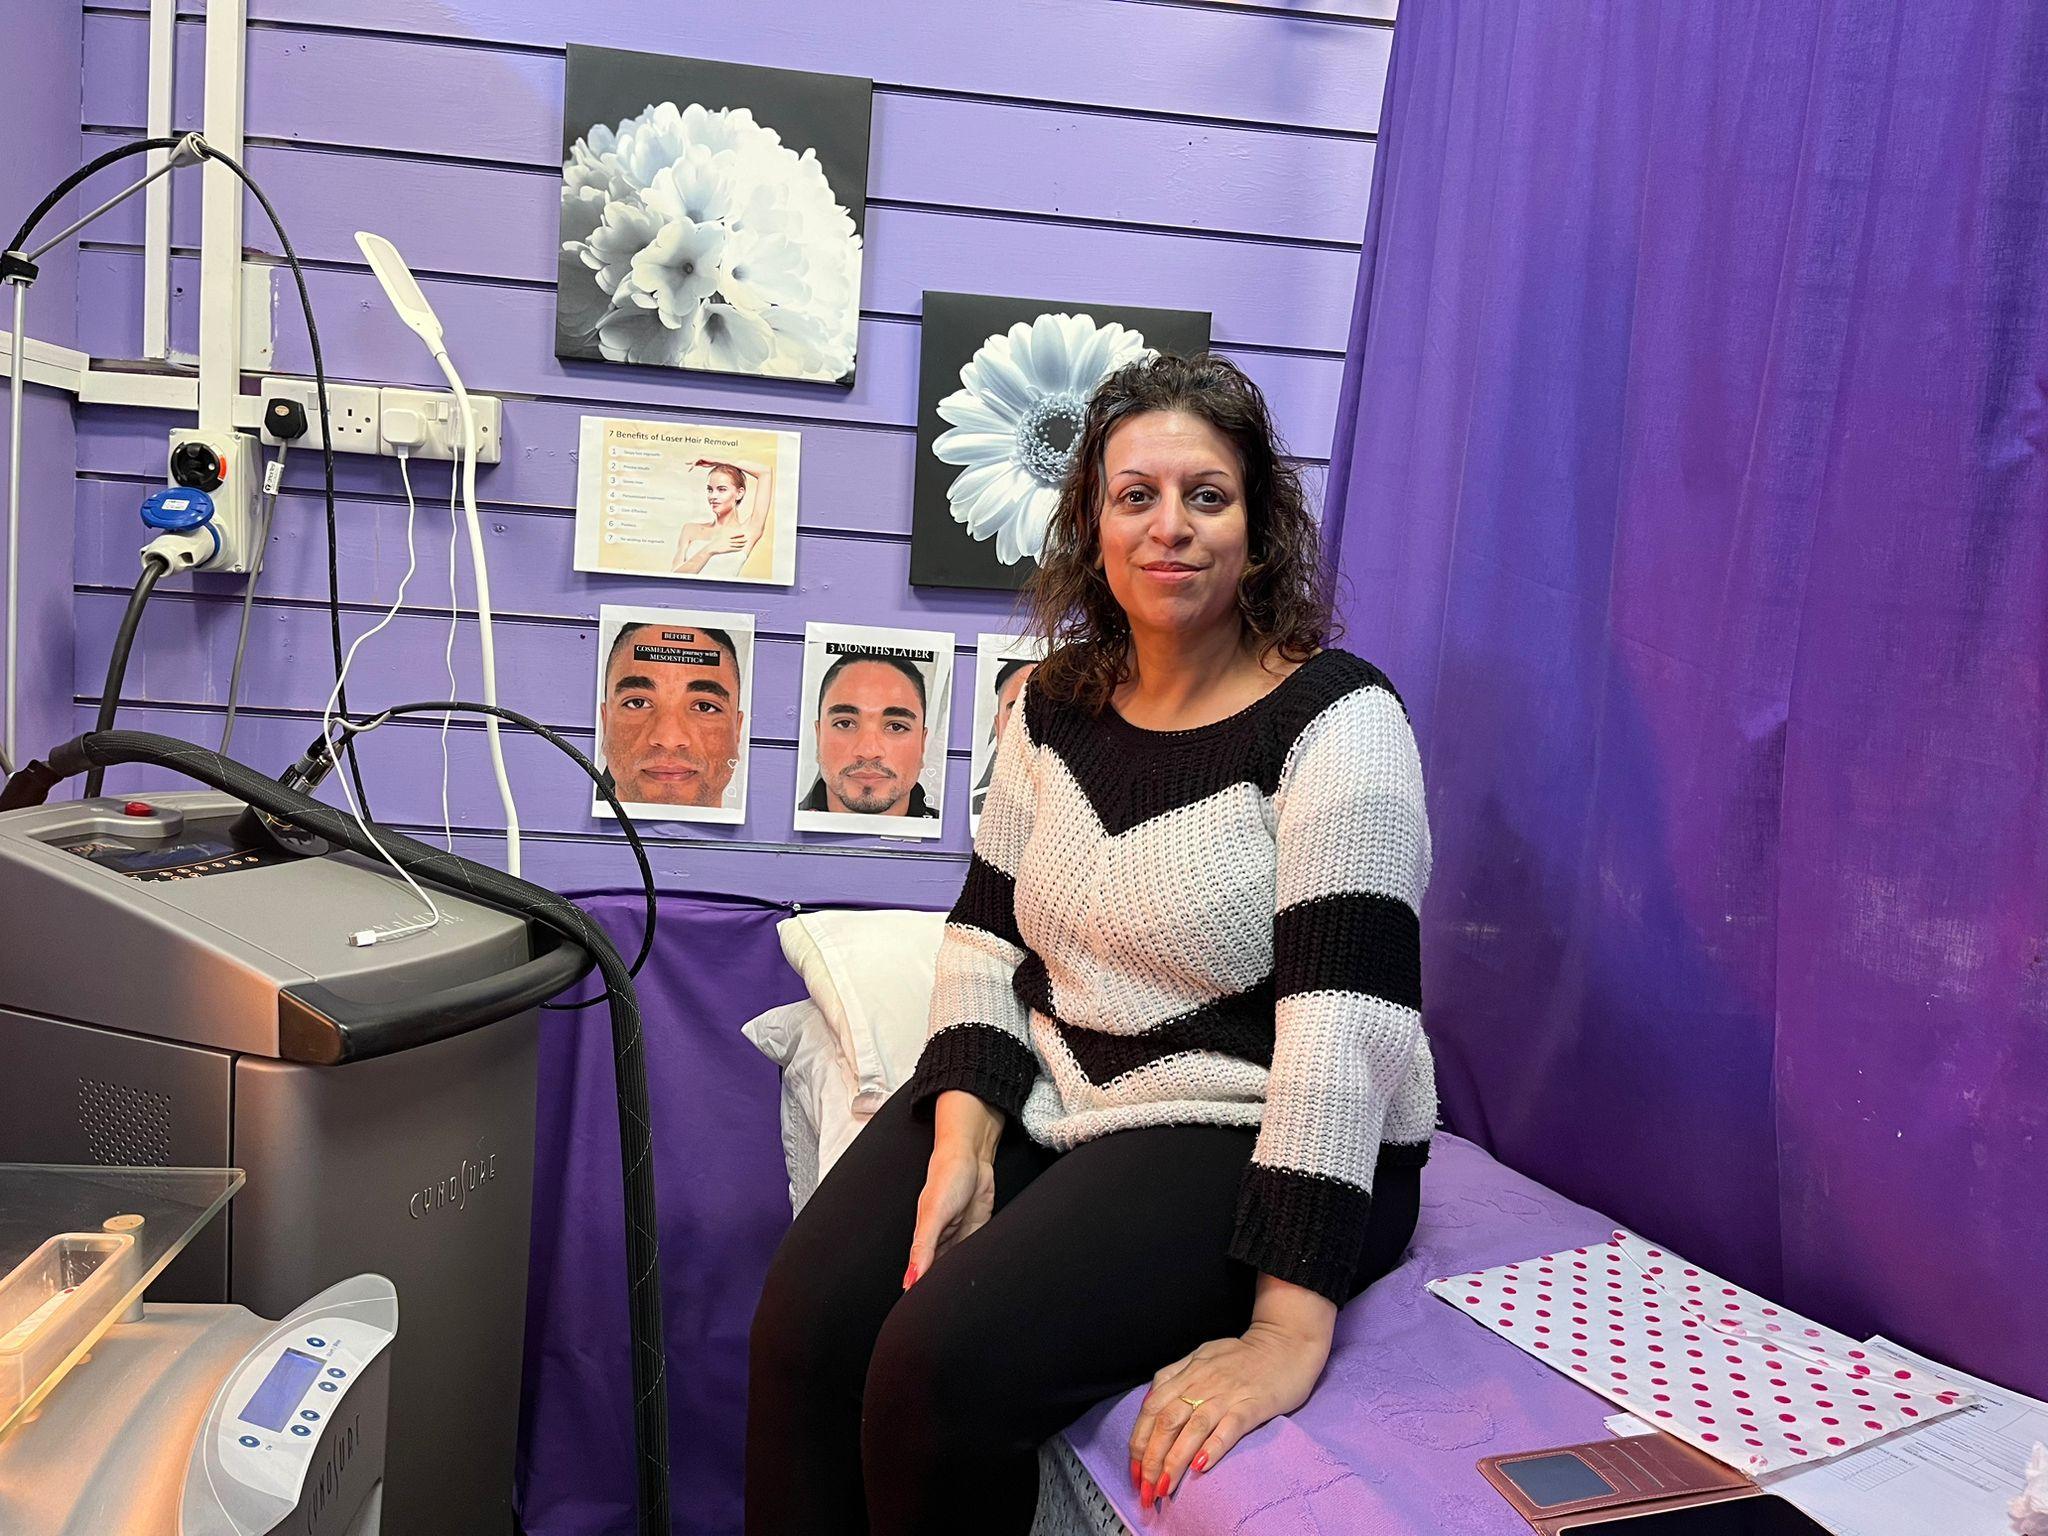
(1284, 598)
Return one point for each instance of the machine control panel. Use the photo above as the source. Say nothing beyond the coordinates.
(273, 1411)
(180, 858)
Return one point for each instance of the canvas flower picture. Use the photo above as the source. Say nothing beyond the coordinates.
(1004, 386)
(711, 216)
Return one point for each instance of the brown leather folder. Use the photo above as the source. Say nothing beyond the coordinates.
(1636, 1474)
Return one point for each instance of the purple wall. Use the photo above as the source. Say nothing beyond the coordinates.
(1195, 155)
(39, 117)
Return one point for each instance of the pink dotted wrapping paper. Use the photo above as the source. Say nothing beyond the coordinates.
(1705, 1361)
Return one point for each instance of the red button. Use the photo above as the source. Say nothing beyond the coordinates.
(138, 808)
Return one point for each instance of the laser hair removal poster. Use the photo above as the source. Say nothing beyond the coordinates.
(686, 502)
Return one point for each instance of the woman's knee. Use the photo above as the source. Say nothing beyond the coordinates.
(936, 1383)
(836, 1272)
(809, 1319)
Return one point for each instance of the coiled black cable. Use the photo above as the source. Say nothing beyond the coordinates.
(326, 447)
(103, 749)
(143, 146)
(353, 728)
(65, 187)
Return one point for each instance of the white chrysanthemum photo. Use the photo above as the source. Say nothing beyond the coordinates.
(1015, 419)
(695, 238)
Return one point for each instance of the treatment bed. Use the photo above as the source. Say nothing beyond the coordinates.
(1414, 1393)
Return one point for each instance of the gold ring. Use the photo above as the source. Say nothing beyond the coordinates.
(1194, 1402)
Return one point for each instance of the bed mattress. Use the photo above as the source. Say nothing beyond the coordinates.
(1414, 1394)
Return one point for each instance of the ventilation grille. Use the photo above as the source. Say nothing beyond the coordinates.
(124, 1127)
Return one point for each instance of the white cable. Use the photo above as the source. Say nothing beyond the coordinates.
(483, 605)
(368, 936)
(448, 649)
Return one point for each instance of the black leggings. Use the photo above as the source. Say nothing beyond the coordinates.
(871, 1408)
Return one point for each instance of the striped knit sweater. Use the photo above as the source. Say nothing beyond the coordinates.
(1213, 926)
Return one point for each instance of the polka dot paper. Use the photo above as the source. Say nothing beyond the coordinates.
(1747, 1382)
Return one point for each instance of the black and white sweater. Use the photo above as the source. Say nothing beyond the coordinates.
(1214, 926)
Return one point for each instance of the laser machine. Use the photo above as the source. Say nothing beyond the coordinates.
(235, 977)
(174, 992)
(118, 1419)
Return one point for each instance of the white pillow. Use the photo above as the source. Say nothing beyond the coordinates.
(870, 973)
(818, 1115)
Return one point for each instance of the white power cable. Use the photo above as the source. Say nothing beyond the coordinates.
(363, 938)
(403, 290)
(448, 649)
(483, 606)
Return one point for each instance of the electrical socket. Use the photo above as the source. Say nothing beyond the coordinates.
(235, 471)
(355, 413)
(442, 423)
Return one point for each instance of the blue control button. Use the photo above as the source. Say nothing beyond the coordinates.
(336, 1372)
(251, 1441)
(309, 1413)
(316, 1343)
(300, 1429)
(328, 1386)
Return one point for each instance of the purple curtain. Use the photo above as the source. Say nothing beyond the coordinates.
(1690, 486)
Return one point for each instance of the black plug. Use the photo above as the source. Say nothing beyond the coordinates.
(284, 420)
(258, 829)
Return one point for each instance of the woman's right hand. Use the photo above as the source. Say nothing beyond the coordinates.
(958, 1199)
(959, 1192)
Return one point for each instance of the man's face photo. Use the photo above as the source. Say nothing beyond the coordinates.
(871, 737)
(671, 712)
(1007, 696)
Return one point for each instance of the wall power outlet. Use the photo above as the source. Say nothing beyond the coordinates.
(426, 423)
(354, 407)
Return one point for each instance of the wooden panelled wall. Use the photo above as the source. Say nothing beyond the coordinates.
(1190, 154)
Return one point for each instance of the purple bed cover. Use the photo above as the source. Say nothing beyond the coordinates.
(1415, 1392)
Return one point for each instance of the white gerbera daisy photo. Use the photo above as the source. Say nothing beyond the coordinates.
(1015, 419)
(1005, 385)
(711, 216)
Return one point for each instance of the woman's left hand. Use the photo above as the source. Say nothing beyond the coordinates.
(1204, 1403)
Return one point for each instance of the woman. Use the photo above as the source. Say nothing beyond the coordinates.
(718, 547)
(1175, 1101)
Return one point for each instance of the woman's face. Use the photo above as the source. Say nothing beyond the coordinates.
(1173, 523)
(721, 493)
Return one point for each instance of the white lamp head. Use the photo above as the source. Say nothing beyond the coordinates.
(402, 288)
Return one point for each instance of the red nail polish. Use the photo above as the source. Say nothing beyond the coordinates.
(1165, 1483)
(910, 1277)
(1145, 1494)
(1137, 1472)
(1201, 1461)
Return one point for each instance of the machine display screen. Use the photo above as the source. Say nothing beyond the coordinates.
(128, 857)
(203, 854)
(270, 1407)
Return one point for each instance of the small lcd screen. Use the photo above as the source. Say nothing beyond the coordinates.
(1765, 1516)
(1559, 1479)
(270, 1407)
(135, 858)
